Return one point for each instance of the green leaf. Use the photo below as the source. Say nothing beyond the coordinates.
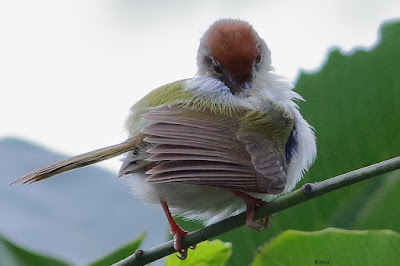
(353, 102)
(379, 210)
(331, 246)
(120, 253)
(11, 254)
(206, 253)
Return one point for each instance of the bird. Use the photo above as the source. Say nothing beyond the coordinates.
(228, 140)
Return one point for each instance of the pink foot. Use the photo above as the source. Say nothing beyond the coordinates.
(177, 232)
(251, 205)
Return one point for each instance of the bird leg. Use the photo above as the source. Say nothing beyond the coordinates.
(177, 232)
(251, 205)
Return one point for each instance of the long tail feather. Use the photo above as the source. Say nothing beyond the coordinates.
(81, 160)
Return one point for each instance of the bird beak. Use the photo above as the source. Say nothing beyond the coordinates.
(236, 87)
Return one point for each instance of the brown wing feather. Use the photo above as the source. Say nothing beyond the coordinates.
(187, 132)
(173, 166)
(199, 143)
(269, 164)
(199, 148)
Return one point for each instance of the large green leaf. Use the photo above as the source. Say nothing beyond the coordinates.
(12, 254)
(120, 253)
(380, 210)
(331, 246)
(353, 102)
(207, 253)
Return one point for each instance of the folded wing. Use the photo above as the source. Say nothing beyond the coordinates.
(195, 147)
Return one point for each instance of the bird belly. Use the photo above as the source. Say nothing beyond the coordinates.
(192, 202)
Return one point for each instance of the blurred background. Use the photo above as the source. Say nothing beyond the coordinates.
(70, 70)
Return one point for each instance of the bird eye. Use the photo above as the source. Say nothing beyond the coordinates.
(214, 64)
(217, 69)
(208, 60)
(258, 58)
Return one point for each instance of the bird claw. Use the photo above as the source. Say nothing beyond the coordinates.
(251, 205)
(179, 233)
(259, 226)
(183, 253)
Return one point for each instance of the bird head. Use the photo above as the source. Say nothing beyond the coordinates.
(231, 51)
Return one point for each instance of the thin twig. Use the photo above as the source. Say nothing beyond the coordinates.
(307, 192)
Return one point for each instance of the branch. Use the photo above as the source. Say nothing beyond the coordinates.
(305, 193)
